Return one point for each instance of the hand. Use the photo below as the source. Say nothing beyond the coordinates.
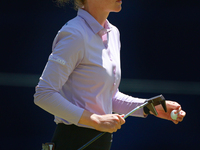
(171, 105)
(108, 123)
(104, 123)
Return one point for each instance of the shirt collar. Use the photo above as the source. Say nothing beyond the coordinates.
(92, 22)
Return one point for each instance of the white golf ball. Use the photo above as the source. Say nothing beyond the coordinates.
(174, 116)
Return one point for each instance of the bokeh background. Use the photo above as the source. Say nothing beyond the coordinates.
(160, 55)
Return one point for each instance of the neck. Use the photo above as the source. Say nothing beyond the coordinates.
(97, 14)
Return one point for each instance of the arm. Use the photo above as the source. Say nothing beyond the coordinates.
(123, 104)
(66, 55)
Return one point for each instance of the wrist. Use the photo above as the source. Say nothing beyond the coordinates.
(89, 119)
(95, 120)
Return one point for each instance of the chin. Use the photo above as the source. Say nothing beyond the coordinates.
(118, 9)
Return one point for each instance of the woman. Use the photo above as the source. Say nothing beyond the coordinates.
(79, 84)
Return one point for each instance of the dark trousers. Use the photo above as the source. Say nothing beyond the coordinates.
(71, 137)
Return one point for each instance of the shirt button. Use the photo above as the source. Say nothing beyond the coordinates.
(114, 70)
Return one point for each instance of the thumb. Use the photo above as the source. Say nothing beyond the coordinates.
(123, 115)
(122, 120)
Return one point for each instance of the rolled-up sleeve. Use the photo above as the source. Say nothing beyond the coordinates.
(68, 51)
(123, 104)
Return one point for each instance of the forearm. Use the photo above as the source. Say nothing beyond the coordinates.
(56, 104)
(123, 104)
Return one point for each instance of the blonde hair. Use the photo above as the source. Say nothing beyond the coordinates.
(77, 3)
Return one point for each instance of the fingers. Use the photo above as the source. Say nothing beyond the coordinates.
(122, 120)
(173, 105)
(119, 121)
(180, 117)
(175, 121)
(109, 123)
(177, 111)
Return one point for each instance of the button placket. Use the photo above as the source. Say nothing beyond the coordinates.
(115, 76)
(109, 54)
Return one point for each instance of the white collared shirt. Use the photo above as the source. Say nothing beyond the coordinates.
(83, 73)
